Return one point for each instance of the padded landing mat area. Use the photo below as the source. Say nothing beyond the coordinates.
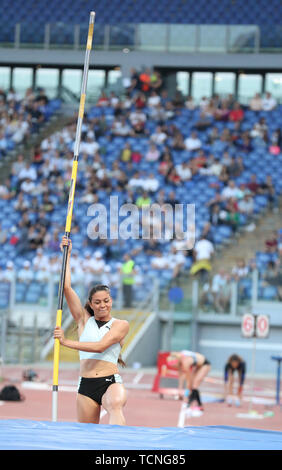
(45, 435)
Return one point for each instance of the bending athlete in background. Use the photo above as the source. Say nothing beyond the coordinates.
(100, 340)
(192, 367)
(234, 363)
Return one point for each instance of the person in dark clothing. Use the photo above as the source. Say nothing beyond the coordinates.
(234, 363)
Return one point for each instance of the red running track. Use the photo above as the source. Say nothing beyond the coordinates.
(143, 407)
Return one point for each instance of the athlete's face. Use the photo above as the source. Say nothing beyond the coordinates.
(101, 303)
(234, 364)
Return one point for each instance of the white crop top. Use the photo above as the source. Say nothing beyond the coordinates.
(92, 333)
(192, 354)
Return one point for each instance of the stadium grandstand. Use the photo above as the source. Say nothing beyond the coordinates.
(183, 106)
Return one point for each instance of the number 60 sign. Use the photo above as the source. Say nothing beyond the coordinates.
(255, 326)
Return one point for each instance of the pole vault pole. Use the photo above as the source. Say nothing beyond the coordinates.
(69, 214)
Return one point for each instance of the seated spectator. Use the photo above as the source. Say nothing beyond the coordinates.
(42, 274)
(89, 146)
(28, 172)
(18, 165)
(139, 101)
(40, 260)
(231, 191)
(173, 177)
(232, 214)
(240, 270)
(268, 103)
(236, 167)
(199, 161)
(253, 185)
(245, 145)
(203, 123)
(193, 143)
(259, 129)
(246, 205)
(204, 103)
(137, 120)
(151, 183)
(184, 171)
(222, 113)
(159, 261)
(178, 142)
(271, 243)
(136, 182)
(217, 215)
(3, 235)
(189, 103)
(268, 189)
(176, 261)
(114, 100)
(153, 154)
(25, 274)
(154, 99)
(213, 135)
(103, 100)
(171, 198)
(166, 163)
(120, 127)
(158, 137)
(273, 277)
(9, 274)
(7, 191)
(256, 103)
(237, 113)
(126, 153)
(221, 290)
(214, 166)
(178, 99)
(28, 186)
(159, 114)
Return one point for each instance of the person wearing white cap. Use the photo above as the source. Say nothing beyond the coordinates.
(93, 267)
(110, 277)
(25, 274)
(99, 263)
(42, 274)
(40, 260)
(9, 273)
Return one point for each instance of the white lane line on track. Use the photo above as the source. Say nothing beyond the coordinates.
(182, 415)
(138, 377)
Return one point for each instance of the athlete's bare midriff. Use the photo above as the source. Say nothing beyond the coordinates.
(97, 368)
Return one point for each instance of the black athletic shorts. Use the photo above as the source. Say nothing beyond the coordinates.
(95, 387)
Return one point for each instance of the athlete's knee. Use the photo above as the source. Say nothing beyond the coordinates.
(113, 401)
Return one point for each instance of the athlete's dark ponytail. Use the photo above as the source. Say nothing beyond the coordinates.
(121, 361)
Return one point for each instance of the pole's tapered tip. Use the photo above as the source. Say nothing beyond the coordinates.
(92, 16)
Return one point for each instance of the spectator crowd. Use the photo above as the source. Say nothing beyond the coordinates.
(145, 146)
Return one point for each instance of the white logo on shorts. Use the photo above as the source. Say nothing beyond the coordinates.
(108, 380)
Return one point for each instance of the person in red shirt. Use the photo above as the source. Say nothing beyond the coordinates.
(237, 113)
(253, 185)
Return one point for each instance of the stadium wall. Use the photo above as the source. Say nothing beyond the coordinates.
(126, 60)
